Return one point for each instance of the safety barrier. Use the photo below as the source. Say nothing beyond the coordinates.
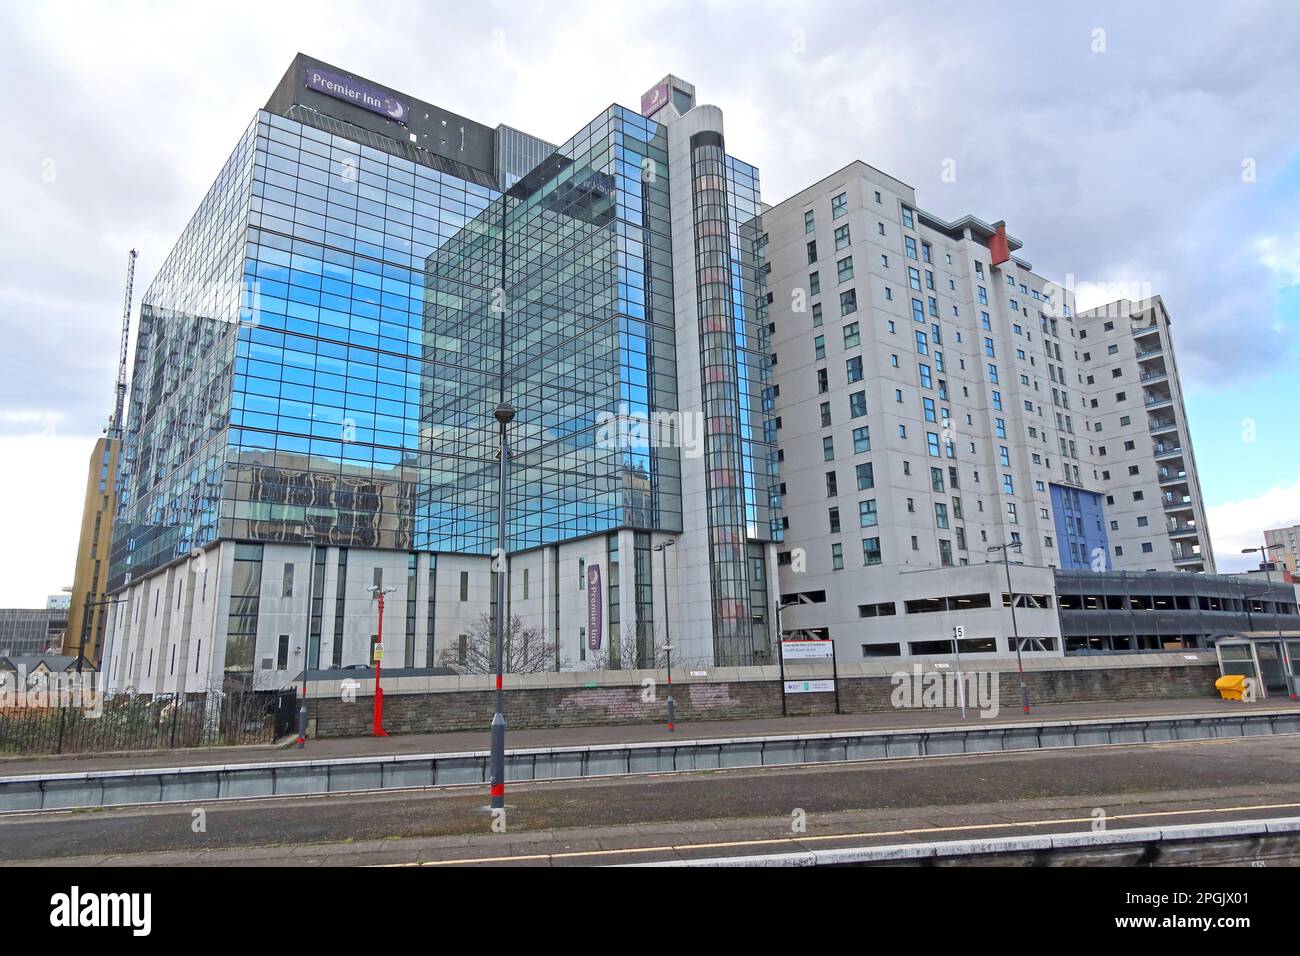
(105, 788)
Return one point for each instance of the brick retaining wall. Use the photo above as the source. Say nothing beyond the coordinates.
(573, 706)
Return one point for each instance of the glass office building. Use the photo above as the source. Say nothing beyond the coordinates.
(558, 300)
(319, 356)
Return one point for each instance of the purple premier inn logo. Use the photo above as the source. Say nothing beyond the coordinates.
(355, 92)
(595, 615)
(655, 99)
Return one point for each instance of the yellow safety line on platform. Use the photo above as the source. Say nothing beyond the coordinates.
(836, 836)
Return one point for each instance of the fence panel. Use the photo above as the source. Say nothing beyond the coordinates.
(142, 723)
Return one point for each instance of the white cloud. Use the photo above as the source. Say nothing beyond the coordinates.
(1240, 524)
(41, 484)
(1282, 256)
(1123, 166)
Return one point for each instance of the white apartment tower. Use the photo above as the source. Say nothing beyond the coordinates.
(937, 399)
(1140, 444)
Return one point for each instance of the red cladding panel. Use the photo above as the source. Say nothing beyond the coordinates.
(999, 251)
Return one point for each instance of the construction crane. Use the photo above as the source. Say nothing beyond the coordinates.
(115, 424)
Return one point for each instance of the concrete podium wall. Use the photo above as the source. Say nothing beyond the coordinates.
(569, 699)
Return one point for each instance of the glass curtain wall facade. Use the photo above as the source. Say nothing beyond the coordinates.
(557, 299)
(319, 357)
(174, 448)
(735, 373)
(280, 368)
(332, 372)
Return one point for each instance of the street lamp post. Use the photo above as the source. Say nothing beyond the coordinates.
(1015, 630)
(1277, 622)
(306, 641)
(1268, 576)
(378, 729)
(504, 414)
(668, 638)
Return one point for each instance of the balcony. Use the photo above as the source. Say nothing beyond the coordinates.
(1176, 502)
(1162, 425)
(1172, 476)
(1157, 401)
(1164, 450)
(1144, 350)
(1154, 375)
(1184, 531)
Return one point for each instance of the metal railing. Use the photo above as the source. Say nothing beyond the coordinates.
(142, 723)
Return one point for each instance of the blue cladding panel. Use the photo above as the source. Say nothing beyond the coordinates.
(1080, 527)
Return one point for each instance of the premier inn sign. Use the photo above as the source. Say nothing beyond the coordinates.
(355, 92)
(595, 609)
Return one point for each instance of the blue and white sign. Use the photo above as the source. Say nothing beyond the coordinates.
(809, 686)
(355, 92)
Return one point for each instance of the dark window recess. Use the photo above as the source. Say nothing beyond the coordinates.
(881, 650)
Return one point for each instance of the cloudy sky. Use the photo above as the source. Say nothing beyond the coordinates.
(1151, 148)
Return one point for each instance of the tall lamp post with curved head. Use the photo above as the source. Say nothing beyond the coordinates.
(504, 414)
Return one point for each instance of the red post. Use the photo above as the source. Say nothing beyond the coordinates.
(379, 691)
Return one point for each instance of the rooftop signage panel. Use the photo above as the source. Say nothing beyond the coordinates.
(654, 100)
(356, 92)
